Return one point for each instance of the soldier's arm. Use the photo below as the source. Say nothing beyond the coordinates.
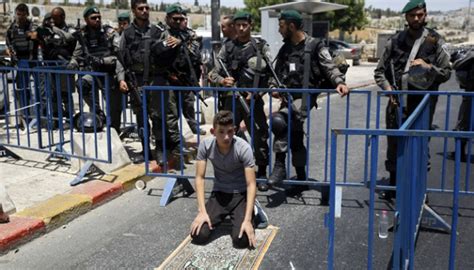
(74, 62)
(328, 67)
(8, 42)
(379, 72)
(160, 47)
(216, 75)
(442, 67)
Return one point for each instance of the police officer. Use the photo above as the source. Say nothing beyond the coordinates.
(147, 50)
(95, 52)
(463, 64)
(244, 58)
(302, 62)
(228, 34)
(186, 68)
(22, 46)
(419, 62)
(123, 21)
(58, 43)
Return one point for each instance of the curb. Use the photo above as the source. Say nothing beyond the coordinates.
(48, 215)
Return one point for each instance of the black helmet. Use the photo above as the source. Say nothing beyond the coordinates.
(420, 77)
(86, 121)
(463, 64)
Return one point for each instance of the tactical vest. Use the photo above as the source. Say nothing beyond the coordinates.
(20, 41)
(292, 68)
(98, 43)
(135, 40)
(238, 58)
(56, 47)
(401, 51)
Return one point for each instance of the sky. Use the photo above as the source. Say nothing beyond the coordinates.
(442, 5)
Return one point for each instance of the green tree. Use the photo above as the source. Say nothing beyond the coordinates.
(252, 6)
(346, 20)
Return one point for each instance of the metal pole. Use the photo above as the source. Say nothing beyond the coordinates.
(215, 19)
(116, 9)
(468, 24)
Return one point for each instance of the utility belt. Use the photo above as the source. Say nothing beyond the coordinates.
(139, 68)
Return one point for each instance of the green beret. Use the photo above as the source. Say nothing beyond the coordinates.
(413, 4)
(290, 15)
(90, 10)
(47, 16)
(242, 15)
(175, 8)
(124, 16)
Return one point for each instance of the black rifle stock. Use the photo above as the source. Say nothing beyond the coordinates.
(241, 98)
(194, 79)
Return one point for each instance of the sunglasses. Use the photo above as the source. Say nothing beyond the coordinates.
(177, 19)
(143, 8)
(95, 18)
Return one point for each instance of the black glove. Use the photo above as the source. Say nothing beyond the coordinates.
(96, 62)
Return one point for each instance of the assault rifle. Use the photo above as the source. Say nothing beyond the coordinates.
(194, 79)
(241, 98)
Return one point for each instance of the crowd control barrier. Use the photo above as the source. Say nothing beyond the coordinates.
(334, 112)
(39, 105)
(415, 175)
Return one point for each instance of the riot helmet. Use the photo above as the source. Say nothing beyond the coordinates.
(85, 121)
(420, 77)
(463, 64)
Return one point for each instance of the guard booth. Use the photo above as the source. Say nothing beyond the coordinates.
(269, 15)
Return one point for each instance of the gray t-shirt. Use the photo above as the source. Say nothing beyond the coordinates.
(229, 169)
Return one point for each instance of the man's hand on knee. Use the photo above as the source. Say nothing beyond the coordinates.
(200, 219)
(247, 228)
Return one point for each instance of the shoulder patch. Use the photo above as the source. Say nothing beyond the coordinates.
(445, 49)
(325, 54)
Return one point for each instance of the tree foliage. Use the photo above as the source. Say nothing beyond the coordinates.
(253, 6)
(346, 20)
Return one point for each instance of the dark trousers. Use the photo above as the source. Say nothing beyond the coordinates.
(260, 134)
(187, 108)
(88, 88)
(296, 144)
(219, 206)
(412, 103)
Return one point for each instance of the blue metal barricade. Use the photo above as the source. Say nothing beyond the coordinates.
(413, 159)
(39, 108)
(317, 126)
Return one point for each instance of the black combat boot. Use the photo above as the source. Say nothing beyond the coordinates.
(262, 173)
(159, 153)
(390, 194)
(296, 190)
(279, 171)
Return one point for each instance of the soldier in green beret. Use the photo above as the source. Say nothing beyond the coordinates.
(146, 50)
(413, 59)
(123, 21)
(96, 51)
(186, 68)
(298, 69)
(243, 58)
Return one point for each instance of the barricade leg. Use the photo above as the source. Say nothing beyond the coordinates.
(174, 186)
(82, 173)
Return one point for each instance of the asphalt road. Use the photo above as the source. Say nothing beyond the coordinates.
(133, 231)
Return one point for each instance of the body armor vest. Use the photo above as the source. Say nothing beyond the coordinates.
(401, 51)
(98, 43)
(238, 57)
(135, 40)
(20, 41)
(292, 68)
